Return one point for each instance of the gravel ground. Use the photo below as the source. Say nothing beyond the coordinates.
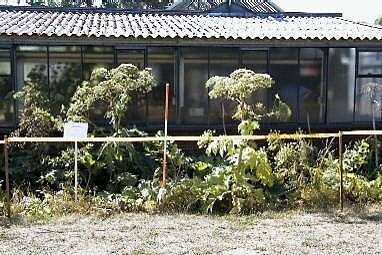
(292, 232)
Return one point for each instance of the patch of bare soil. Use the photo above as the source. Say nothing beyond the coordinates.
(274, 233)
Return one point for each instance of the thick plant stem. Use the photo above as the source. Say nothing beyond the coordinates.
(223, 113)
(375, 137)
(240, 161)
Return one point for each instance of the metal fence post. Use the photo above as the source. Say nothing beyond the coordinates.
(341, 158)
(6, 170)
(75, 171)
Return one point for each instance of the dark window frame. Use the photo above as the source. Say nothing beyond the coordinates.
(359, 76)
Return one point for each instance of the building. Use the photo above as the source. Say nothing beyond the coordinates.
(320, 62)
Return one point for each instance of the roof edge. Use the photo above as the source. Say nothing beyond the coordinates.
(165, 12)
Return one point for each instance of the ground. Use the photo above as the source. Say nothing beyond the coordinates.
(290, 232)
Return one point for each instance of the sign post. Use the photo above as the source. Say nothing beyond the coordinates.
(77, 131)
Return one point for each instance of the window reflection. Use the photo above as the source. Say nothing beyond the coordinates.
(6, 103)
(369, 87)
(162, 62)
(284, 70)
(193, 100)
(64, 75)
(370, 63)
(311, 90)
(368, 98)
(32, 66)
(341, 78)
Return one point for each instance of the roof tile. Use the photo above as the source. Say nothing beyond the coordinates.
(147, 25)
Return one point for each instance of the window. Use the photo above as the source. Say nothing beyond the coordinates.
(64, 75)
(193, 95)
(97, 57)
(341, 79)
(32, 66)
(137, 109)
(285, 71)
(6, 103)
(311, 90)
(369, 63)
(369, 86)
(162, 62)
(257, 61)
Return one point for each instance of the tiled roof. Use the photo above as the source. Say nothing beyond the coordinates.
(253, 5)
(81, 23)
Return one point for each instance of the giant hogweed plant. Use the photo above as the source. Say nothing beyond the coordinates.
(115, 88)
(241, 181)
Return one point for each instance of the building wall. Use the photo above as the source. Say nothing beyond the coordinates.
(325, 87)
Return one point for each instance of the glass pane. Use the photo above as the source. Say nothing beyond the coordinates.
(64, 75)
(135, 57)
(370, 63)
(341, 75)
(5, 64)
(285, 72)
(31, 65)
(95, 57)
(193, 96)
(162, 62)
(256, 61)
(6, 102)
(368, 99)
(311, 91)
(137, 110)
(223, 61)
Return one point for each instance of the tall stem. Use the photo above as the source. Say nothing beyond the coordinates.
(223, 113)
(375, 136)
(241, 148)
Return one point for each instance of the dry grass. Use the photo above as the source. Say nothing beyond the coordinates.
(355, 231)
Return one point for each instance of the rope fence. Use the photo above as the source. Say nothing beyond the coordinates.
(339, 135)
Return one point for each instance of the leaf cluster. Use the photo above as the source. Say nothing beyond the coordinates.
(115, 88)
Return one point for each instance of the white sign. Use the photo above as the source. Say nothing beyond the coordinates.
(75, 130)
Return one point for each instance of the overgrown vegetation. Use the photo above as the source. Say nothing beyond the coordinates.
(231, 176)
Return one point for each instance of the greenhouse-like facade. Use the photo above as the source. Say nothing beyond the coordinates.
(321, 63)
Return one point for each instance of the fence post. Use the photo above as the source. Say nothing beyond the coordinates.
(164, 171)
(6, 170)
(75, 171)
(341, 158)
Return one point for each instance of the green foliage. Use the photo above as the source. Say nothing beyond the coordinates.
(113, 87)
(241, 84)
(36, 119)
(234, 176)
(238, 87)
(357, 156)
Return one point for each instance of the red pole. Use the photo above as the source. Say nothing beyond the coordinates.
(164, 171)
